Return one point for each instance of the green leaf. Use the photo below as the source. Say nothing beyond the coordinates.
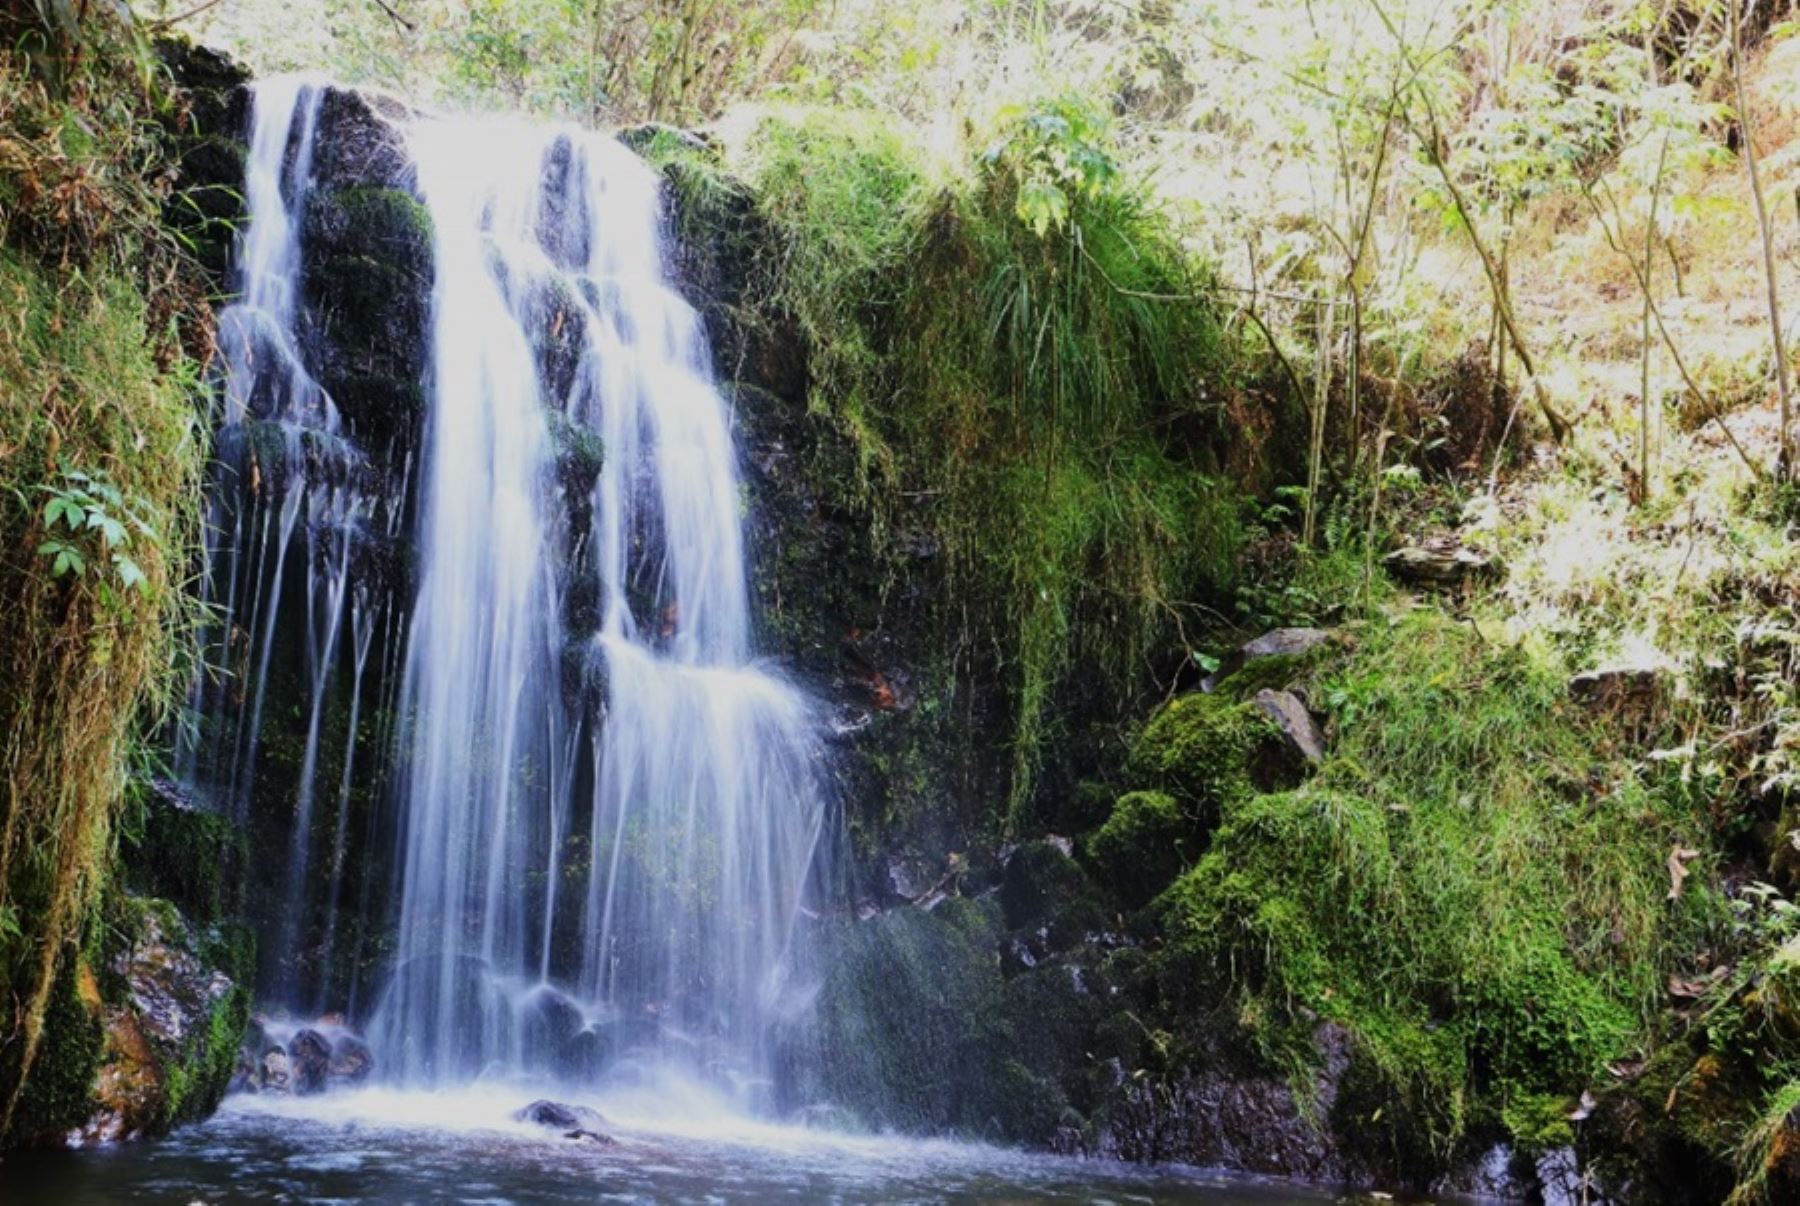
(1042, 205)
(129, 573)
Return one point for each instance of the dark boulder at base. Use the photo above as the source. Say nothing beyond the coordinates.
(560, 1116)
(309, 1059)
(1215, 1117)
(351, 1060)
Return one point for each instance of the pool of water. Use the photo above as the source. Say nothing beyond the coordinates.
(383, 1146)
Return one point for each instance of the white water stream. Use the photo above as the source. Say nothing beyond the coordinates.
(636, 908)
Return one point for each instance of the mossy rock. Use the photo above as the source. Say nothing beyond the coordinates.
(184, 854)
(1206, 751)
(1040, 882)
(1143, 846)
(908, 1020)
(58, 1098)
(366, 282)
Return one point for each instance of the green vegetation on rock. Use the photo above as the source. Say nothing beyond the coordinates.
(1470, 885)
(100, 421)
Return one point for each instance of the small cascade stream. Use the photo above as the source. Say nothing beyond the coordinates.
(600, 810)
(289, 496)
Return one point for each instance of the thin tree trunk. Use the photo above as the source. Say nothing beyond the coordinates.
(1649, 283)
(1785, 463)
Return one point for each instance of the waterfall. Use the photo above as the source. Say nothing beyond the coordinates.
(606, 827)
(284, 505)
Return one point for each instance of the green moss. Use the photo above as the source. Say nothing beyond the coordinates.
(95, 401)
(1539, 1122)
(1469, 886)
(195, 1079)
(1145, 843)
(1200, 748)
(1768, 1157)
(1274, 673)
(185, 855)
(58, 1097)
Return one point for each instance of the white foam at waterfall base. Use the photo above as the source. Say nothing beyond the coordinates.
(692, 770)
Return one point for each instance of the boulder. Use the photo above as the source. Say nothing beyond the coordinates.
(1441, 563)
(1560, 1178)
(1040, 880)
(1283, 643)
(171, 1039)
(1298, 729)
(1217, 1116)
(548, 1020)
(309, 1061)
(275, 1075)
(559, 1116)
(1143, 845)
(351, 1060)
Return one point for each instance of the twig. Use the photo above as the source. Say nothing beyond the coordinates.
(178, 17)
(394, 16)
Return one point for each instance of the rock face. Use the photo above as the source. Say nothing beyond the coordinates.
(1218, 1118)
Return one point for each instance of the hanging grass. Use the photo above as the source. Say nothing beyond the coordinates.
(100, 452)
(1028, 364)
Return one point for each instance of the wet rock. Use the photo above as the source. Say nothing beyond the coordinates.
(1492, 1175)
(276, 1073)
(1298, 729)
(351, 1060)
(1441, 563)
(361, 140)
(548, 1020)
(585, 1054)
(1143, 846)
(171, 1040)
(1216, 1117)
(908, 878)
(560, 1116)
(1040, 879)
(309, 1060)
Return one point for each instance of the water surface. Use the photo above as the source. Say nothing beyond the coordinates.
(381, 1146)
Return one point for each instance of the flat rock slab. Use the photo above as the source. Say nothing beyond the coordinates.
(1441, 563)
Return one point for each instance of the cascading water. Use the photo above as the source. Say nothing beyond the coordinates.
(286, 501)
(606, 829)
